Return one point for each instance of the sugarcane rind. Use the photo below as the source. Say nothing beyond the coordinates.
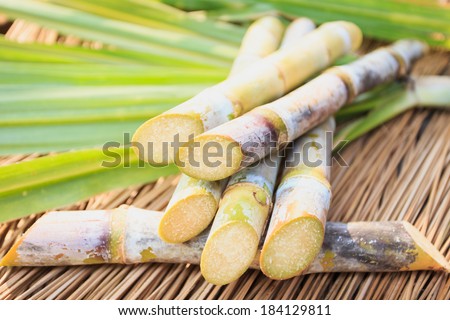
(11, 257)
(147, 255)
(307, 172)
(427, 255)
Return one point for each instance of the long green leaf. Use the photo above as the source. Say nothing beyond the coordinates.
(382, 19)
(170, 45)
(157, 15)
(427, 91)
(58, 53)
(104, 74)
(34, 97)
(58, 180)
(45, 118)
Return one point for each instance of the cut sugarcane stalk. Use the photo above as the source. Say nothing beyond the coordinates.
(158, 139)
(261, 39)
(129, 235)
(195, 202)
(295, 30)
(302, 201)
(191, 209)
(251, 137)
(239, 223)
(245, 205)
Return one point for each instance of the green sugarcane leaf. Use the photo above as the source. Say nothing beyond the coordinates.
(386, 110)
(171, 46)
(46, 118)
(155, 14)
(426, 91)
(385, 19)
(104, 74)
(53, 181)
(58, 53)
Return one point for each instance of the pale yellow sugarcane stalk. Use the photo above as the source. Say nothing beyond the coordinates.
(195, 202)
(263, 130)
(158, 139)
(430, 91)
(302, 201)
(295, 31)
(129, 235)
(191, 209)
(236, 231)
(246, 202)
(261, 39)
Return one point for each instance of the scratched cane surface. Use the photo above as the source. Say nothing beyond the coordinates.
(400, 171)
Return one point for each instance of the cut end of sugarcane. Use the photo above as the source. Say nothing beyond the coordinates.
(292, 248)
(229, 252)
(355, 32)
(428, 256)
(11, 258)
(179, 224)
(210, 157)
(157, 140)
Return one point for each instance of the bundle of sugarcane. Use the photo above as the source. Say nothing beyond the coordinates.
(302, 202)
(157, 141)
(297, 241)
(245, 205)
(195, 202)
(270, 127)
(235, 234)
(129, 235)
(303, 197)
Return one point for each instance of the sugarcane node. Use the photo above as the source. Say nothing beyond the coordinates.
(260, 83)
(407, 51)
(346, 79)
(348, 247)
(261, 39)
(116, 240)
(243, 210)
(246, 202)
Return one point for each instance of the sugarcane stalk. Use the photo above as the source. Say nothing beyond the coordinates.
(295, 30)
(268, 128)
(431, 91)
(157, 140)
(195, 202)
(191, 209)
(302, 201)
(236, 231)
(128, 235)
(261, 39)
(246, 202)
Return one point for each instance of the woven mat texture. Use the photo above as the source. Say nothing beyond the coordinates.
(401, 171)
